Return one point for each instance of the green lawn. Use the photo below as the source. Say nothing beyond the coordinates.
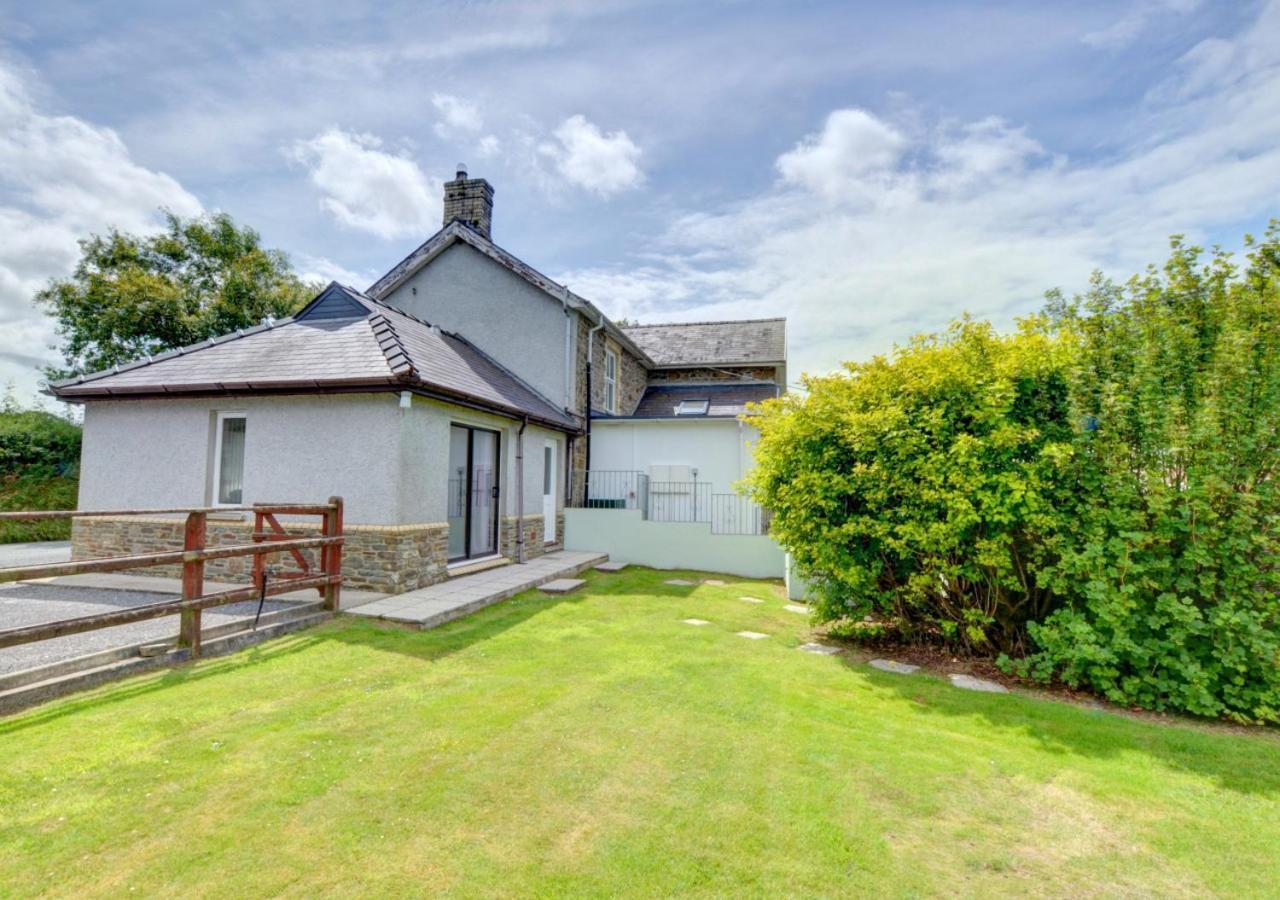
(595, 744)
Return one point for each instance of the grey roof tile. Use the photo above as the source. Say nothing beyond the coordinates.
(724, 400)
(741, 342)
(377, 345)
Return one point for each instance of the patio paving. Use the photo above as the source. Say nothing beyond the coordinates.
(432, 606)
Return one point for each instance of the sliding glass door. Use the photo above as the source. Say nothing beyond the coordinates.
(473, 492)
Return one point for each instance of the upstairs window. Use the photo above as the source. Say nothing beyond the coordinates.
(610, 382)
(228, 459)
(693, 407)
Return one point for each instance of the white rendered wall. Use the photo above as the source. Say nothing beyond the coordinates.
(388, 463)
(626, 537)
(720, 449)
(158, 453)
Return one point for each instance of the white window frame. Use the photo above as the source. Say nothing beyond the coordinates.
(610, 381)
(219, 418)
(690, 408)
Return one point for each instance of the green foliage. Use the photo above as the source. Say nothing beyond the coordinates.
(132, 296)
(922, 486)
(39, 455)
(1100, 487)
(1168, 561)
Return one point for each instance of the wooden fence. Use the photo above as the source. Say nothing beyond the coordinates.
(269, 536)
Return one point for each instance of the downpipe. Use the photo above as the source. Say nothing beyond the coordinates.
(524, 423)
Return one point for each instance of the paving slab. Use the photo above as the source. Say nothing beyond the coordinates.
(751, 599)
(716, 582)
(561, 586)
(695, 621)
(797, 608)
(892, 665)
(970, 683)
(680, 582)
(437, 604)
(611, 566)
(752, 635)
(820, 649)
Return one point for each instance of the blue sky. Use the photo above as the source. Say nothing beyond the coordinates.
(868, 170)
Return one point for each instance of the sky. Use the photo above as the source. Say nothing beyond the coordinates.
(870, 171)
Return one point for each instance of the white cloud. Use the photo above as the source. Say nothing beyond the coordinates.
(61, 179)
(881, 229)
(1129, 27)
(853, 144)
(368, 188)
(489, 146)
(321, 269)
(591, 159)
(458, 117)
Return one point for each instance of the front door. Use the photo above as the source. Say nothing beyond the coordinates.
(549, 484)
(473, 492)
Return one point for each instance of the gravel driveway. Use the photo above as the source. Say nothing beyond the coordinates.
(29, 604)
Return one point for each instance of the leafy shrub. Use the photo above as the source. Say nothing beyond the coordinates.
(39, 460)
(923, 486)
(1168, 563)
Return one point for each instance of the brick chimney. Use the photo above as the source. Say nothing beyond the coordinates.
(469, 200)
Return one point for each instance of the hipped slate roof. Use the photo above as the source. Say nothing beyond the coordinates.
(725, 400)
(341, 340)
(745, 342)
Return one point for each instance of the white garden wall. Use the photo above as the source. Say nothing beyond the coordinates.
(627, 537)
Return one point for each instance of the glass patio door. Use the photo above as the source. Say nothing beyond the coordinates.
(473, 492)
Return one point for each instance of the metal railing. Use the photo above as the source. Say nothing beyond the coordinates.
(670, 501)
(268, 537)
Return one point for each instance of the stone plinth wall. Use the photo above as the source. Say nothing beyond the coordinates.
(391, 558)
(533, 545)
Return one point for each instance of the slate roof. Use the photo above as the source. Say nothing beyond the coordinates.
(744, 342)
(725, 400)
(342, 339)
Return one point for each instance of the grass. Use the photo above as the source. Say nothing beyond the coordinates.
(597, 745)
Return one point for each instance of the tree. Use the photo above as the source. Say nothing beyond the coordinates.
(132, 296)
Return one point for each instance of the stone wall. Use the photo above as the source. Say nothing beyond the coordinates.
(633, 377)
(391, 558)
(533, 534)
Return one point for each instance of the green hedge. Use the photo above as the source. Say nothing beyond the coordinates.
(1096, 495)
(39, 459)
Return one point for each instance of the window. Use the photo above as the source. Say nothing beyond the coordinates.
(228, 459)
(548, 465)
(610, 381)
(693, 407)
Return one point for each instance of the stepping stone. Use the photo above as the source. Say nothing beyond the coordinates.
(611, 566)
(562, 586)
(969, 683)
(820, 649)
(679, 582)
(695, 621)
(797, 608)
(892, 665)
(752, 635)
(751, 599)
(714, 581)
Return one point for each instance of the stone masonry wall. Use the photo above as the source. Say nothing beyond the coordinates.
(533, 545)
(391, 558)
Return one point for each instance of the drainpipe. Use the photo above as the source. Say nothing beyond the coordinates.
(524, 423)
(568, 349)
(591, 340)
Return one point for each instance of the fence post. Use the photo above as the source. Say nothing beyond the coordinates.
(192, 582)
(331, 554)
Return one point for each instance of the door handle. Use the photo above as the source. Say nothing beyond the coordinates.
(493, 492)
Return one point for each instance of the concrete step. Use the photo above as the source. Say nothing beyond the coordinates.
(18, 692)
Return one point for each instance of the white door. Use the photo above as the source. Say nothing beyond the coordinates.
(549, 492)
